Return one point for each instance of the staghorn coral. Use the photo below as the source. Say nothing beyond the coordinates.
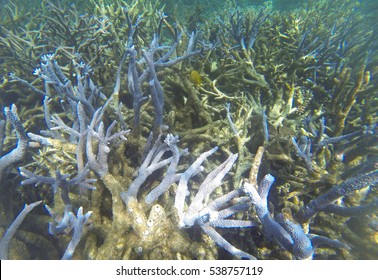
(300, 83)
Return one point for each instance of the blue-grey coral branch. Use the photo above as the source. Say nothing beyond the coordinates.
(80, 221)
(19, 152)
(214, 213)
(60, 181)
(259, 198)
(355, 183)
(5, 241)
(136, 80)
(151, 163)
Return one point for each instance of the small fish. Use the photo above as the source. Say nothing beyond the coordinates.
(195, 78)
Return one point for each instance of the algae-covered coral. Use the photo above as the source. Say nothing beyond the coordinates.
(158, 131)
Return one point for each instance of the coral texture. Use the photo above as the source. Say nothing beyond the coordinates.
(243, 131)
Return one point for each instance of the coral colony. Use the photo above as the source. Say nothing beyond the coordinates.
(252, 135)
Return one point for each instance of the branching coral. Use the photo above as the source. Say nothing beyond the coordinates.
(299, 85)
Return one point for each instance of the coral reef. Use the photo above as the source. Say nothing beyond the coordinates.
(152, 131)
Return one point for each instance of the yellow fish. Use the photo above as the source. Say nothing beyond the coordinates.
(195, 78)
